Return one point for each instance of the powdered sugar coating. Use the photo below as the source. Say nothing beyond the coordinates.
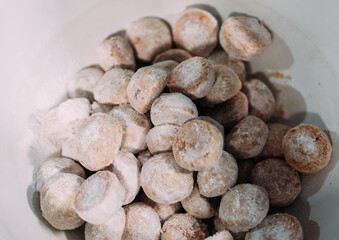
(306, 148)
(223, 235)
(193, 77)
(197, 205)
(83, 83)
(135, 127)
(273, 145)
(100, 197)
(260, 98)
(144, 156)
(142, 222)
(218, 57)
(168, 65)
(183, 227)
(53, 166)
(164, 181)
(230, 112)
(214, 122)
(96, 143)
(197, 145)
(195, 30)
(57, 201)
(226, 85)
(98, 107)
(279, 179)
(110, 230)
(247, 138)
(112, 87)
(160, 138)
(172, 108)
(178, 55)
(243, 37)
(243, 207)
(115, 52)
(127, 169)
(145, 86)
(216, 180)
(280, 226)
(149, 36)
(61, 122)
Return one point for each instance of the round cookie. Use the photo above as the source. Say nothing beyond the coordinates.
(145, 86)
(83, 83)
(178, 55)
(216, 180)
(127, 169)
(247, 138)
(53, 166)
(57, 201)
(223, 235)
(243, 207)
(172, 108)
(196, 31)
(99, 197)
(306, 148)
(279, 179)
(62, 121)
(243, 37)
(168, 65)
(197, 205)
(280, 226)
(97, 142)
(218, 57)
(135, 127)
(142, 222)
(260, 98)
(160, 138)
(112, 229)
(193, 77)
(227, 84)
(184, 227)
(164, 181)
(273, 145)
(197, 145)
(144, 156)
(149, 36)
(230, 112)
(112, 87)
(115, 52)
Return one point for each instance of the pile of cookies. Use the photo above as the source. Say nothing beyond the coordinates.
(155, 140)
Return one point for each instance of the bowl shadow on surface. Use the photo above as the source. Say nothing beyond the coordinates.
(292, 101)
(311, 183)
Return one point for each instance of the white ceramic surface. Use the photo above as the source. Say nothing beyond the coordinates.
(43, 42)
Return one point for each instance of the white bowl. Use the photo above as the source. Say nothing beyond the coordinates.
(44, 42)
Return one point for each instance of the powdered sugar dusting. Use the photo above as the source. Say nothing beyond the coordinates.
(217, 179)
(279, 226)
(164, 181)
(172, 108)
(243, 207)
(142, 222)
